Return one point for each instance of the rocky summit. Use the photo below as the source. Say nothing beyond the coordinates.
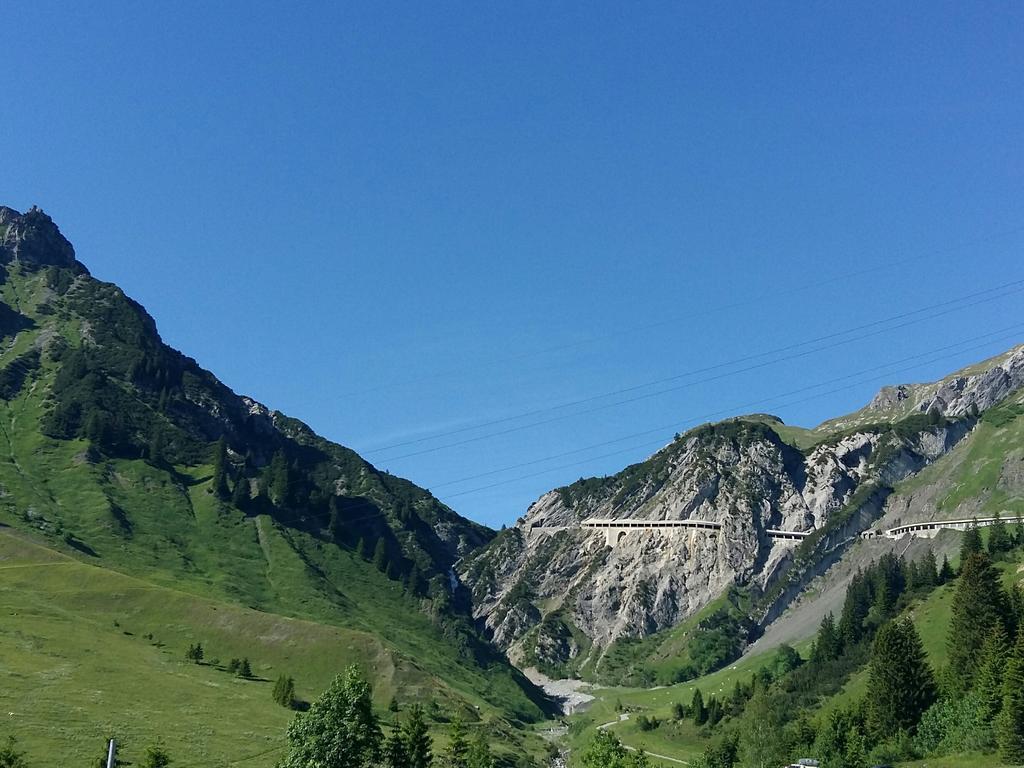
(33, 239)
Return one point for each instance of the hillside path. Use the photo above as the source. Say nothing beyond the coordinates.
(622, 718)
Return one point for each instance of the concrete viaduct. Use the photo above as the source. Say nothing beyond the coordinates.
(614, 530)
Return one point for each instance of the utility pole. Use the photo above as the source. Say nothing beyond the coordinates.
(111, 749)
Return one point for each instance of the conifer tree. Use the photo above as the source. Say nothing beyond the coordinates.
(1019, 534)
(480, 751)
(1010, 722)
(220, 469)
(416, 739)
(970, 543)
(928, 570)
(979, 603)
(155, 447)
(714, 711)
(989, 683)
(697, 708)
(946, 571)
(901, 685)
(284, 691)
(244, 668)
(334, 524)
(911, 575)
(856, 607)
(999, 537)
(1016, 607)
(827, 645)
(241, 493)
(393, 754)
(363, 548)
(278, 479)
(380, 555)
(456, 754)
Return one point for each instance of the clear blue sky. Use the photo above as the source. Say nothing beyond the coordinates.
(391, 220)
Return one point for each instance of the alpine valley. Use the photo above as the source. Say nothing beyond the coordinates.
(169, 549)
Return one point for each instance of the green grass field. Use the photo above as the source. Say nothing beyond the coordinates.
(86, 652)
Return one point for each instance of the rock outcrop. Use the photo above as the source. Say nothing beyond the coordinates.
(33, 239)
(547, 590)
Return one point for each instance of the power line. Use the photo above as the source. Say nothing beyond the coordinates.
(662, 442)
(724, 411)
(888, 265)
(705, 380)
(1014, 285)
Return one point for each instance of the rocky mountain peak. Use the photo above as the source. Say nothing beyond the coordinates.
(33, 239)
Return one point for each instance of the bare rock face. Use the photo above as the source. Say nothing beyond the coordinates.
(33, 239)
(739, 474)
(972, 390)
(547, 590)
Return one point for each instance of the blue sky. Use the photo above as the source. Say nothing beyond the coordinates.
(399, 220)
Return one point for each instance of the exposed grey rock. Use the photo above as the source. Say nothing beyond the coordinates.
(33, 239)
(547, 571)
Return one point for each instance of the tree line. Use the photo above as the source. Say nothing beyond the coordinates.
(910, 710)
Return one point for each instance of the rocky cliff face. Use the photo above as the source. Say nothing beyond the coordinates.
(32, 238)
(547, 591)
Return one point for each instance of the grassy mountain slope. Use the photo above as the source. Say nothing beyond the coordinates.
(685, 741)
(89, 651)
(122, 453)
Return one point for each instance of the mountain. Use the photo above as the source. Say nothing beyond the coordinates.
(126, 455)
(665, 605)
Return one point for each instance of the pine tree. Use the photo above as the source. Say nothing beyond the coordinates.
(279, 479)
(999, 537)
(1016, 607)
(334, 524)
(979, 603)
(241, 494)
(393, 755)
(284, 691)
(1010, 722)
(416, 738)
(714, 711)
(244, 668)
(363, 548)
(970, 543)
(946, 571)
(700, 713)
(480, 752)
(827, 645)
(911, 575)
(380, 555)
(989, 683)
(901, 685)
(928, 570)
(340, 729)
(456, 754)
(220, 469)
(856, 607)
(1019, 537)
(155, 447)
